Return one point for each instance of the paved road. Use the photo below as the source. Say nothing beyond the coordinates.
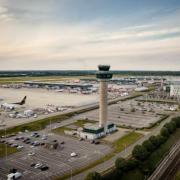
(110, 163)
(74, 110)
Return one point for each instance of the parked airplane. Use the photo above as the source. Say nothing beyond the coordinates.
(12, 106)
(22, 102)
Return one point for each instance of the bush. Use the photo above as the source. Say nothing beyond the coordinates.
(154, 140)
(170, 126)
(164, 132)
(177, 121)
(120, 164)
(161, 139)
(131, 164)
(148, 145)
(139, 152)
(93, 176)
(125, 165)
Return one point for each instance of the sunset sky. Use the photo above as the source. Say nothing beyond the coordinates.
(80, 34)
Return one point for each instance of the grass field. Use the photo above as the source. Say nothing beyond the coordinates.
(10, 150)
(120, 144)
(7, 80)
(78, 123)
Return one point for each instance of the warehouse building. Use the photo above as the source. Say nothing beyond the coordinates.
(175, 89)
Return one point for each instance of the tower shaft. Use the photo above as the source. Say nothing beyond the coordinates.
(103, 104)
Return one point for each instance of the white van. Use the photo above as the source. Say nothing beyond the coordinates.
(13, 176)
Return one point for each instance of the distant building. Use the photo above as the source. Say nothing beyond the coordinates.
(59, 85)
(175, 89)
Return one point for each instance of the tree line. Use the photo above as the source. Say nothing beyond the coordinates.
(140, 154)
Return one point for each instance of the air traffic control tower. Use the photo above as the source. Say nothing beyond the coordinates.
(104, 75)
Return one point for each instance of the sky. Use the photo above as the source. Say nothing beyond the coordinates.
(80, 34)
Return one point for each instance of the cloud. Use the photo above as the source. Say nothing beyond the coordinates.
(31, 38)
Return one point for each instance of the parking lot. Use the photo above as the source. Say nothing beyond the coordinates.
(58, 160)
(129, 113)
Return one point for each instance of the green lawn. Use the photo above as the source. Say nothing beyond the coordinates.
(10, 150)
(81, 123)
(36, 125)
(177, 176)
(61, 130)
(7, 80)
(125, 141)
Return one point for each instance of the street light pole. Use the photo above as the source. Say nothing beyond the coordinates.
(70, 169)
(6, 143)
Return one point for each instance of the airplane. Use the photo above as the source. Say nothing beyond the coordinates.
(12, 106)
(22, 102)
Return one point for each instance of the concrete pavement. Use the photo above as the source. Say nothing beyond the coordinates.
(125, 153)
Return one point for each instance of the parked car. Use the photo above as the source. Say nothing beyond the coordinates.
(62, 142)
(97, 142)
(31, 154)
(73, 154)
(13, 176)
(44, 168)
(38, 165)
(14, 145)
(13, 170)
(33, 164)
(20, 147)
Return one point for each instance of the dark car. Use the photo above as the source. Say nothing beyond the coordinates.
(17, 138)
(92, 142)
(13, 170)
(33, 164)
(62, 142)
(44, 168)
(97, 142)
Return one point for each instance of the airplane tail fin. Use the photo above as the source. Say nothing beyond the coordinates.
(23, 101)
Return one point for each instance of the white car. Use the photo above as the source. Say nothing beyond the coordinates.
(20, 147)
(13, 176)
(38, 165)
(31, 154)
(73, 154)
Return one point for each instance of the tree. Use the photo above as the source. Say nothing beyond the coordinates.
(161, 139)
(154, 140)
(93, 176)
(177, 121)
(131, 164)
(164, 132)
(139, 152)
(170, 127)
(120, 163)
(148, 145)
(125, 165)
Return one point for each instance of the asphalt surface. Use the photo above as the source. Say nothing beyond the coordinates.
(137, 119)
(125, 153)
(59, 161)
